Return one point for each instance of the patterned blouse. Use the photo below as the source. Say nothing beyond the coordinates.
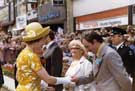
(28, 63)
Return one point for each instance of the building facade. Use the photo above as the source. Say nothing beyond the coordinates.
(91, 15)
(54, 13)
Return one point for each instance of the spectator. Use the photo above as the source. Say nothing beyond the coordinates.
(108, 72)
(124, 51)
(54, 58)
(80, 66)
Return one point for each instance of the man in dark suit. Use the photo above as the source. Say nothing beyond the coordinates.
(53, 56)
(124, 51)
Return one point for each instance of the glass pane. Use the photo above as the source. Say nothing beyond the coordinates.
(4, 13)
(21, 7)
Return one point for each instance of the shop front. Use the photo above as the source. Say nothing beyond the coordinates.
(110, 22)
(110, 18)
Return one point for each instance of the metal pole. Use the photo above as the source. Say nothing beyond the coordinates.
(9, 10)
(14, 3)
(130, 15)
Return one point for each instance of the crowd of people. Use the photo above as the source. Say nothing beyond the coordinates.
(96, 60)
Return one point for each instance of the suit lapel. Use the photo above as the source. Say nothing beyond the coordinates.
(99, 60)
(49, 51)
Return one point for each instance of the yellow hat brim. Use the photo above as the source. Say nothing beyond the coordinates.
(43, 33)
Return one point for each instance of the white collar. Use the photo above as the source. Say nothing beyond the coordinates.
(48, 45)
(82, 59)
(119, 45)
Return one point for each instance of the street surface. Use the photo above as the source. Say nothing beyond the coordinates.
(3, 89)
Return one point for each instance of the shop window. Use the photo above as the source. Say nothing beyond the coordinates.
(20, 7)
(44, 1)
(4, 3)
(58, 2)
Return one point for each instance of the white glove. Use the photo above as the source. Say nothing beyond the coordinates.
(63, 80)
(43, 84)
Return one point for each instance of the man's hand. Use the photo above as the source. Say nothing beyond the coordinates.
(74, 79)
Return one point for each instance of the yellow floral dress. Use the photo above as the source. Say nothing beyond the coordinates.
(28, 63)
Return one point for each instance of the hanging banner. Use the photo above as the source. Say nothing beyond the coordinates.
(21, 21)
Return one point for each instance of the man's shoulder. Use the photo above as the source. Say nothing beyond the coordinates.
(126, 49)
(110, 52)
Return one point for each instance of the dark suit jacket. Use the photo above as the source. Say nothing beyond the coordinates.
(1, 76)
(128, 58)
(53, 57)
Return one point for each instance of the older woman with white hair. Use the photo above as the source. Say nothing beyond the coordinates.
(80, 66)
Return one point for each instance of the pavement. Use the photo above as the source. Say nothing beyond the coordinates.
(9, 84)
(4, 89)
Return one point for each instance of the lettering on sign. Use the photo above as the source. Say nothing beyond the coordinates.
(49, 16)
(110, 23)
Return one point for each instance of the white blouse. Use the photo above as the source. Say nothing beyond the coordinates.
(78, 68)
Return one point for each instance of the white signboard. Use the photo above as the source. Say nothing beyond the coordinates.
(84, 7)
(21, 21)
(104, 23)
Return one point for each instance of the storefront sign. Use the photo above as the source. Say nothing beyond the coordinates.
(104, 23)
(51, 14)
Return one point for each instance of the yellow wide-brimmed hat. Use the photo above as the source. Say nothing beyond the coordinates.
(34, 31)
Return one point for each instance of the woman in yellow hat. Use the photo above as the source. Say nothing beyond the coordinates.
(29, 68)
